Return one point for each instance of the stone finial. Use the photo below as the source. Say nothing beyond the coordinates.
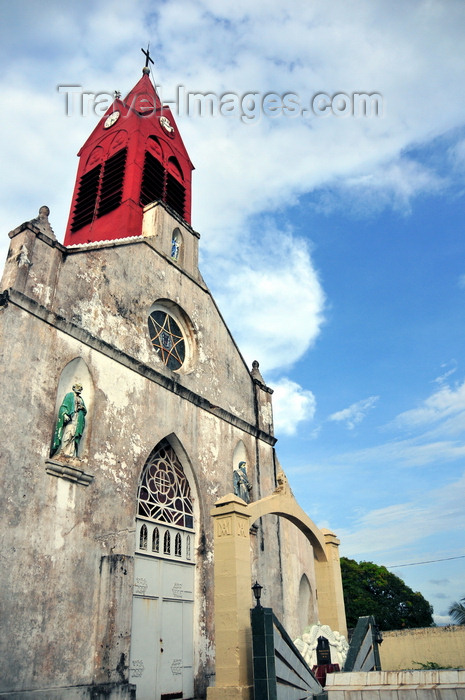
(257, 377)
(282, 483)
(255, 372)
(42, 222)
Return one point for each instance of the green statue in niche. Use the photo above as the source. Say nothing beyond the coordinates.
(70, 424)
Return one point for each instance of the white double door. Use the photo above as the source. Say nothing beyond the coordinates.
(162, 654)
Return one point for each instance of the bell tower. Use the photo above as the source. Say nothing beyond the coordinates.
(134, 156)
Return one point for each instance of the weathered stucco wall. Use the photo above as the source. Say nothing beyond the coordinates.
(299, 572)
(68, 548)
(441, 645)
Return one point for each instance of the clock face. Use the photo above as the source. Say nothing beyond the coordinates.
(111, 119)
(166, 124)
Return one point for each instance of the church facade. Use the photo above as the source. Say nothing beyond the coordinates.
(129, 412)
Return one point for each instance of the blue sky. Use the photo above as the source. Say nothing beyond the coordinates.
(334, 244)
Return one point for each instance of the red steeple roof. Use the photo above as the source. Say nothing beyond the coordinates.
(143, 96)
(135, 155)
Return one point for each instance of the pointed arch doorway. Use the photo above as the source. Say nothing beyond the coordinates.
(162, 650)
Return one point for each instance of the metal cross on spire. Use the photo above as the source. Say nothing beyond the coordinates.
(148, 60)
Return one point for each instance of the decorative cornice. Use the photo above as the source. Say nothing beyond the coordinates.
(67, 471)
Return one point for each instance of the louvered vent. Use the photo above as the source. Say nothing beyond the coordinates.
(152, 180)
(175, 194)
(86, 199)
(100, 190)
(158, 184)
(111, 190)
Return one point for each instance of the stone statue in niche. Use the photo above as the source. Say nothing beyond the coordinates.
(242, 486)
(70, 424)
(175, 246)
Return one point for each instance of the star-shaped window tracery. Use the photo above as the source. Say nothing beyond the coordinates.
(167, 339)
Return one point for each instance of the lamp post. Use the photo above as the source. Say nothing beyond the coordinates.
(257, 591)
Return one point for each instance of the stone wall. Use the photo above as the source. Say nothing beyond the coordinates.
(444, 646)
(68, 524)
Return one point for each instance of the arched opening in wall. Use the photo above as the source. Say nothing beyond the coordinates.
(305, 603)
(73, 411)
(163, 600)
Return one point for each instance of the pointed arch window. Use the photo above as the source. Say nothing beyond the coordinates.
(164, 492)
(167, 543)
(165, 516)
(143, 537)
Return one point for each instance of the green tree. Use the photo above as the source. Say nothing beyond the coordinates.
(457, 612)
(370, 589)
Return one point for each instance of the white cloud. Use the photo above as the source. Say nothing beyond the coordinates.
(418, 451)
(394, 184)
(270, 296)
(442, 404)
(355, 413)
(441, 620)
(457, 155)
(435, 427)
(243, 170)
(291, 405)
(397, 526)
(447, 372)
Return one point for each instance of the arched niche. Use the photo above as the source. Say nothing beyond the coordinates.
(241, 473)
(177, 246)
(239, 454)
(305, 602)
(75, 372)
